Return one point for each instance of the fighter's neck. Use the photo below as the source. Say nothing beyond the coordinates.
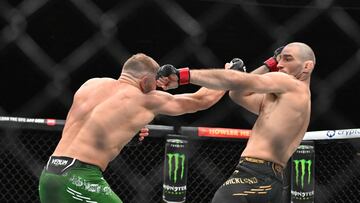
(304, 78)
(128, 79)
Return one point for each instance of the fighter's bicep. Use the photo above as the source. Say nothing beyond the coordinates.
(271, 83)
(173, 105)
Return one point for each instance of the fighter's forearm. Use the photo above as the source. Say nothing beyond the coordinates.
(260, 70)
(208, 97)
(217, 78)
(193, 102)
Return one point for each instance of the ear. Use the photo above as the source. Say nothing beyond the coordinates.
(142, 84)
(309, 66)
(147, 84)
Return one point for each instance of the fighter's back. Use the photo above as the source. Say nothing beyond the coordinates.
(104, 116)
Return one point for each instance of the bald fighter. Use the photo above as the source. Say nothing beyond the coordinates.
(281, 99)
(105, 115)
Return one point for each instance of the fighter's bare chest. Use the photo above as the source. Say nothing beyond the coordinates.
(268, 103)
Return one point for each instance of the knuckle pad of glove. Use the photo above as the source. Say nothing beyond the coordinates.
(166, 70)
(278, 51)
(235, 60)
(238, 64)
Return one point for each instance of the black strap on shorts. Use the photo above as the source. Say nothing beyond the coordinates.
(59, 164)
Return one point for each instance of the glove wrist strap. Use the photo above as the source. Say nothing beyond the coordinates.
(184, 76)
(271, 63)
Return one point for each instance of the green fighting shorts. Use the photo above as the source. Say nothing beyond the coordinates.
(68, 180)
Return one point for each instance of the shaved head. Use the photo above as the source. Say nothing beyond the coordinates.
(139, 65)
(305, 52)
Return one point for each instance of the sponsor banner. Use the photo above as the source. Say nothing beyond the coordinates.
(332, 134)
(175, 171)
(49, 122)
(303, 174)
(201, 131)
(223, 133)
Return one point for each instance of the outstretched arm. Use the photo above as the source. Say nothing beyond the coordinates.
(169, 77)
(275, 82)
(173, 105)
(270, 65)
(217, 79)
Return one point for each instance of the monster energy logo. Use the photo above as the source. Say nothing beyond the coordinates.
(179, 160)
(302, 165)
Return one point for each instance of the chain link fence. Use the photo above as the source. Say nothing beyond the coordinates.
(48, 48)
(136, 175)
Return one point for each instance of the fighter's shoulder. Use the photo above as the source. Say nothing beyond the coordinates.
(291, 83)
(158, 94)
(283, 77)
(92, 84)
(98, 80)
(155, 98)
(278, 75)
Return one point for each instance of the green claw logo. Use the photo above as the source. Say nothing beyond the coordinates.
(302, 165)
(179, 160)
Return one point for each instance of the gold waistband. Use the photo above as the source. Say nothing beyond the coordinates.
(261, 161)
(276, 168)
(253, 160)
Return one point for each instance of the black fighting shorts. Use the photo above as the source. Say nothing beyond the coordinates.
(253, 181)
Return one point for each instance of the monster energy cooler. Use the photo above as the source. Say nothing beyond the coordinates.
(175, 171)
(302, 178)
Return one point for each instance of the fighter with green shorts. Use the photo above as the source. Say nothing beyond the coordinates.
(105, 116)
(69, 180)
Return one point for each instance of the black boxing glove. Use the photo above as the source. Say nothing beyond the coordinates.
(183, 74)
(238, 64)
(272, 62)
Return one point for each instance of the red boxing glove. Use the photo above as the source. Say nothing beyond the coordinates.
(184, 76)
(271, 63)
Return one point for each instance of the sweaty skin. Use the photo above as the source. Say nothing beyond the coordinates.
(106, 113)
(282, 121)
(283, 106)
(281, 100)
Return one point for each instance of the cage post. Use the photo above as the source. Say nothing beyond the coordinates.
(303, 173)
(175, 170)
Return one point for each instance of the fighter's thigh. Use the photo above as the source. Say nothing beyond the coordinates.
(245, 188)
(68, 189)
(226, 194)
(90, 190)
(51, 188)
